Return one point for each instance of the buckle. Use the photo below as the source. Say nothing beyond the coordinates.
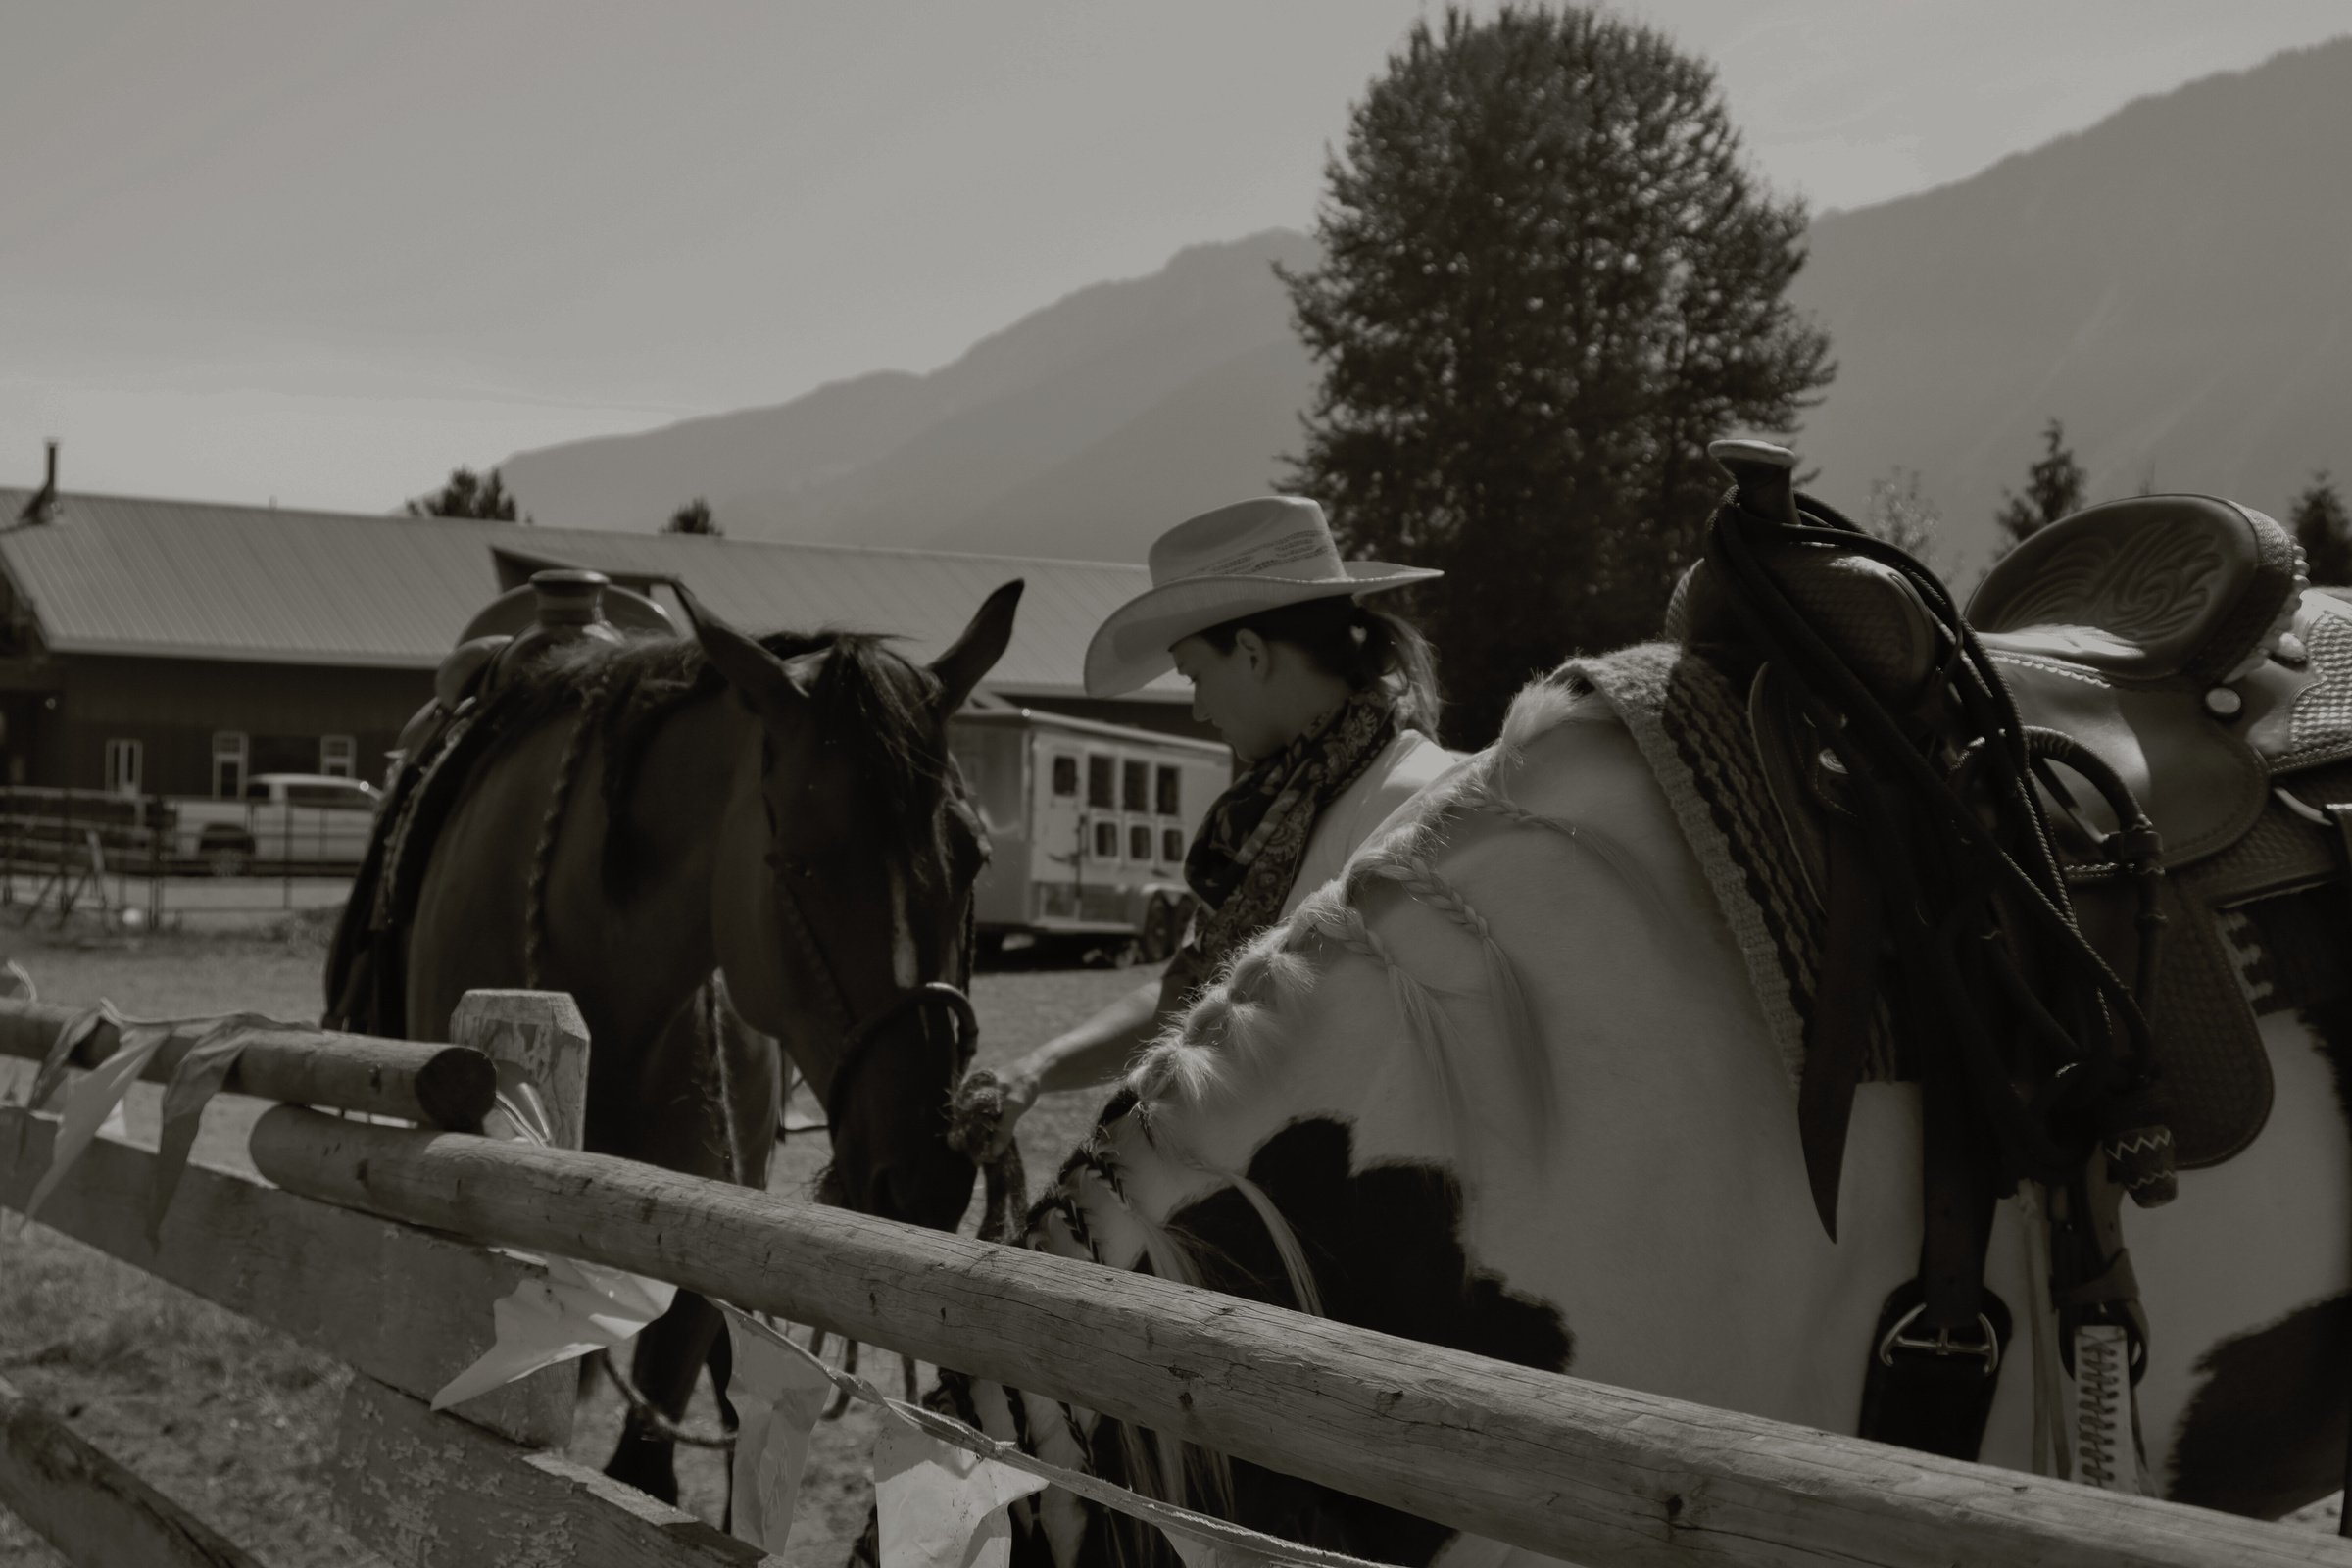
(1943, 1344)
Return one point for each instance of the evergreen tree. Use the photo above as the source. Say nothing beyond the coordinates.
(1548, 279)
(2323, 528)
(468, 495)
(2053, 488)
(694, 518)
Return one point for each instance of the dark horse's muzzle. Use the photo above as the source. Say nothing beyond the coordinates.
(928, 1182)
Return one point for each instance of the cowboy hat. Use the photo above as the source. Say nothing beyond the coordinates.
(1237, 561)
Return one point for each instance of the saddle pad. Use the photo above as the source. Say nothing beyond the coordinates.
(2232, 919)
(1690, 726)
(367, 976)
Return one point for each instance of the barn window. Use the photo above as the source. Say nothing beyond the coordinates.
(1065, 778)
(1171, 845)
(1100, 783)
(1171, 792)
(1134, 787)
(1139, 844)
(124, 763)
(1107, 841)
(338, 755)
(228, 764)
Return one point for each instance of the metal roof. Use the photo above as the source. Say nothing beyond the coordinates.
(191, 579)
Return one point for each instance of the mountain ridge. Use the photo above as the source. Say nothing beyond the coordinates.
(2171, 281)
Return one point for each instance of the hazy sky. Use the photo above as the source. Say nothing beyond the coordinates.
(324, 251)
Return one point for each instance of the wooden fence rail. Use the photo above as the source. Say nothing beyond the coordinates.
(365, 1247)
(1574, 1469)
(444, 1085)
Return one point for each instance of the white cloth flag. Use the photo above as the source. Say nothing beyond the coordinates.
(576, 1309)
(89, 1103)
(942, 1508)
(778, 1392)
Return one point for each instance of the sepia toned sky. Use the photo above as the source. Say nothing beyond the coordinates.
(322, 250)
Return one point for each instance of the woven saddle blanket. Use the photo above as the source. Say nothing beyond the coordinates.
(2260, 927)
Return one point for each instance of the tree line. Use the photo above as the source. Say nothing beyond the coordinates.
(467, 494)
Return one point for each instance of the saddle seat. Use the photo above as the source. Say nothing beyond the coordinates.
(2151, 589)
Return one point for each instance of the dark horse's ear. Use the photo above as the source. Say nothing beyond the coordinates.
(977, 651)
(767, 683)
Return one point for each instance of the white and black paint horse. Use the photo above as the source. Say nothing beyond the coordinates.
(1506, 1087)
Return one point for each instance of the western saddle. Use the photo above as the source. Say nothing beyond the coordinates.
(2039, 842)
(365, 977)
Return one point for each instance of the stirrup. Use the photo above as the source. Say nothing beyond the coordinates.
(1894, 1339)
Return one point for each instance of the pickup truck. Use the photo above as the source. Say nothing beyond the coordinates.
(285, 821)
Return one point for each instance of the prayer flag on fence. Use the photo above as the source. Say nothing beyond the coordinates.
(90, 1101)
(778, 1392)
(198, 1077)
(942, 1508)
(577, 1308)
(59, 1057)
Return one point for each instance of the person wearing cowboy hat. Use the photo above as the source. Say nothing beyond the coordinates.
(1330, 705)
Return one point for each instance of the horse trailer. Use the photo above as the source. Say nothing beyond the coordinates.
(1089, 822)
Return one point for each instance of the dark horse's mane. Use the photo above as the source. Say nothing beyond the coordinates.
(866, 697)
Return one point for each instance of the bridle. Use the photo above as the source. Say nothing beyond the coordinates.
(859, 1035)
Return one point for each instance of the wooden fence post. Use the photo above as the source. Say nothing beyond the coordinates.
(538, 1039)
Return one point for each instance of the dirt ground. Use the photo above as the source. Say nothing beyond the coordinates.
(232, 1420)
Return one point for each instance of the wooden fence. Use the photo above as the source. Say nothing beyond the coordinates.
(353, 1246)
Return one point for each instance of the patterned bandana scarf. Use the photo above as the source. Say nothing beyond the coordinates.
(1247, 851)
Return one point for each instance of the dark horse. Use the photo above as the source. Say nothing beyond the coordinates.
(672, 828)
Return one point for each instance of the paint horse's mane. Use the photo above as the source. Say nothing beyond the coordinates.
(866, 697)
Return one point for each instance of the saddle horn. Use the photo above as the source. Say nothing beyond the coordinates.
(1765, 476)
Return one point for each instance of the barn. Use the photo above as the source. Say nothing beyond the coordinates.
(169, 647)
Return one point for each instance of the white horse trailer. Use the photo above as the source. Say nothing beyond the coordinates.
(1088, 824)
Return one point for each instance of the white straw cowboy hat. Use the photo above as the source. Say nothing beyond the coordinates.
(1237, 561)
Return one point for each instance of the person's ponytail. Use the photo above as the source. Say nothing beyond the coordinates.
(1392, 648)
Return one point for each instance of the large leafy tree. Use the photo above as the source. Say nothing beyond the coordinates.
(468, 494)
(1548, 279)
(2053, 488)
(2324, 531)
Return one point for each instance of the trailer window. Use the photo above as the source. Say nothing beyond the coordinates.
(1100, 791)
(1134, 787)
(1171, 792)
(1065, 778)
(1139, 844)
(1171, 845)
(1107, 841)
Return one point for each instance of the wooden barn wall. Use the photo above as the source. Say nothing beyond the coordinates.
(174, 708)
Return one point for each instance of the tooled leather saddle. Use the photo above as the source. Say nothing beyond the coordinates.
(2058, 853)
(2174, 640)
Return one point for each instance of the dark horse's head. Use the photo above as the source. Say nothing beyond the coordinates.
(843, 907)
